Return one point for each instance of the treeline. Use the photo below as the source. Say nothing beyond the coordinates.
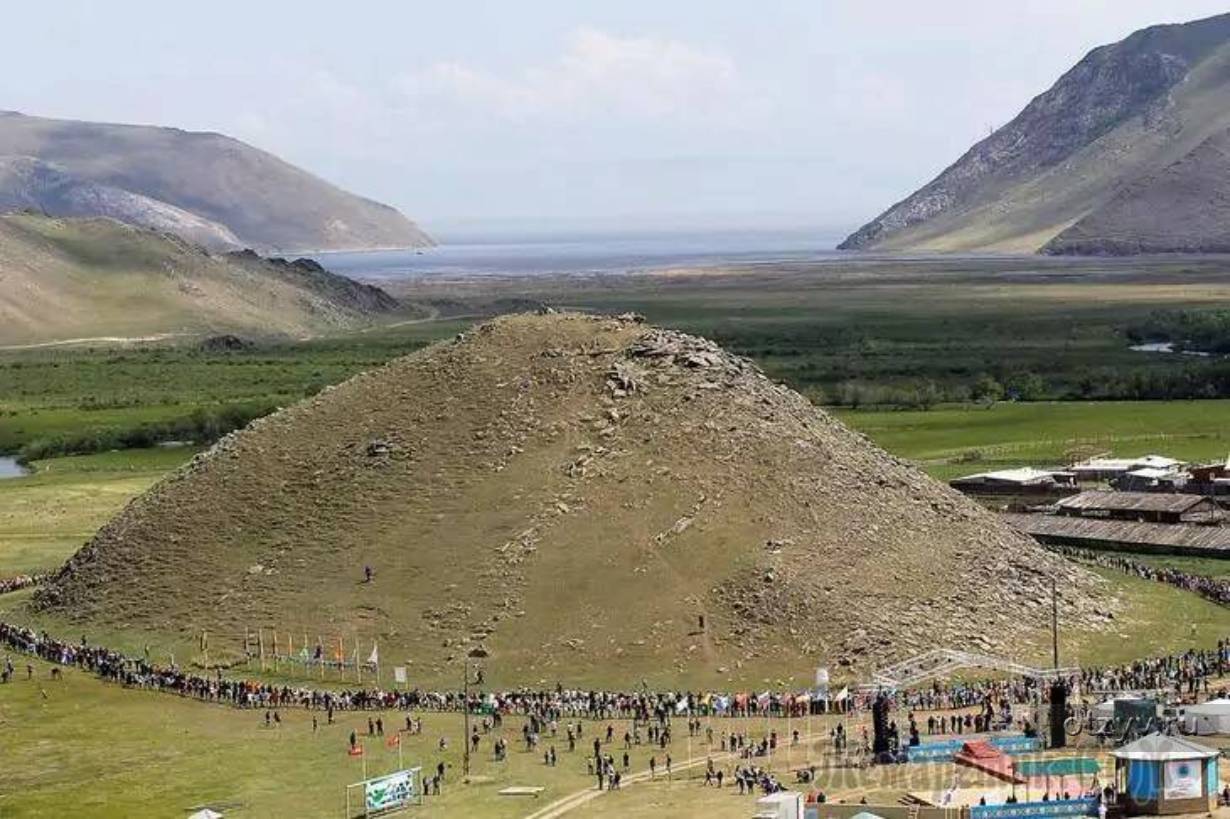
(205, 425)
(1191, 380)
(924, 393)
(1197, 330)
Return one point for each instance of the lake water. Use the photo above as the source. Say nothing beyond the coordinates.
(476, 256)
(1166, 347)
(9, 468)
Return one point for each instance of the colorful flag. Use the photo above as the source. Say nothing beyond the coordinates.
(393, 741)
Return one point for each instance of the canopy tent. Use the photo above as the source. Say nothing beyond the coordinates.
(206, 813)
(1064, 766)
(1212, 717)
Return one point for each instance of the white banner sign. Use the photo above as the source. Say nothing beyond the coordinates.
(1182, 780)
(399, 674)
(390, 791)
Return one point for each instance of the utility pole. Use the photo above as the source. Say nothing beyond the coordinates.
(1054, 624)
(465, 708)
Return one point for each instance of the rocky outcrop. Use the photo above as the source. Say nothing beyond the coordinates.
(308, 273)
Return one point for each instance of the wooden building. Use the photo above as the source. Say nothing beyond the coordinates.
(1143, 507)
(1125, 536)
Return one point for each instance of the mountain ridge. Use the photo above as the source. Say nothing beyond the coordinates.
(80, 278)
(263, 201)
(1123, 111)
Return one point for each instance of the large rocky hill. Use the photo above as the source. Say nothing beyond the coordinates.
(207, 187)
(1091, 165)
(98, 279)
(569, 493)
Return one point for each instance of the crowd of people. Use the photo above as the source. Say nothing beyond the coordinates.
(1210, 588)
(1186, 673)
(20, 581)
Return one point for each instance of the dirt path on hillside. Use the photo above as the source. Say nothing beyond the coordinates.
(69, 342)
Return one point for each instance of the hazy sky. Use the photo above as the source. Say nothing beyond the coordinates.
(530, 113)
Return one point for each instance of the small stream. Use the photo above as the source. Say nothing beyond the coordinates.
(9, 468)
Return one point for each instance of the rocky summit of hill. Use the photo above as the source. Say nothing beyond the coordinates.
(1091, 165)
(567, 495)
(96, 279)
(206, 187)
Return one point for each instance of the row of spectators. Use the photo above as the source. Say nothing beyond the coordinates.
(1189, 670)
(1210, 588)
(20, 581)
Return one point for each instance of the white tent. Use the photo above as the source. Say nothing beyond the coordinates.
(780, 805)
(1212, 717)
(1106, 710)
(206, 813)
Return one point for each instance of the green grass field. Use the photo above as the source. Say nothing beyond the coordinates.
(956, 440)
(150, 754)
(47, 516)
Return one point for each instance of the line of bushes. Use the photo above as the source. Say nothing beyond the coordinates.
(204, 425)
(1204, 330)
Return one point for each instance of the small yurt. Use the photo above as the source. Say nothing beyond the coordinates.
(1212, 717)
(1157, 775)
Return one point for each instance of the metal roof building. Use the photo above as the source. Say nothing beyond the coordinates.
(1156, 507)
(1127, 536)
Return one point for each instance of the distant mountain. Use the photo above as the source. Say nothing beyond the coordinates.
(1099, 163)
(66, 280)
(205, 187)
(27, 183)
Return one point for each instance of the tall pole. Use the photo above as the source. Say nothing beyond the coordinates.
(465, 710)
(1054, 624)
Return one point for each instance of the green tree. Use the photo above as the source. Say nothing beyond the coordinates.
(987, 389)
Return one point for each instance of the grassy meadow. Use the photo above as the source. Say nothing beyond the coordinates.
(953, 440)
(890, 328)
(148, 754)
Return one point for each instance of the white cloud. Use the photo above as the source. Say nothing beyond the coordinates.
(596, 73)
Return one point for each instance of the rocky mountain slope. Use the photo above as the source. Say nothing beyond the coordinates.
(1122, 115)
(31, 184)
(205, 187)
(65, 279)
(1182, 208)
(569, 493)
